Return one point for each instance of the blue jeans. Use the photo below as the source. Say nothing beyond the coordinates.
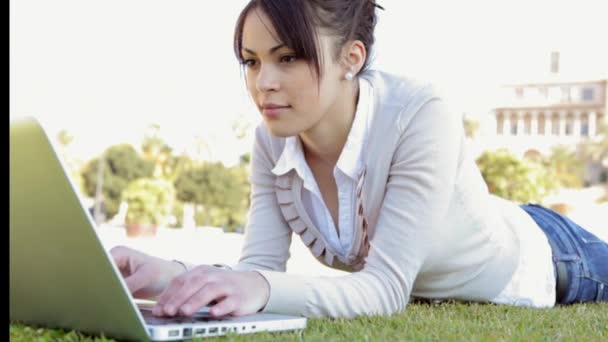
(579, 257)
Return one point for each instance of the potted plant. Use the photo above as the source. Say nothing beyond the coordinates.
(149, 204)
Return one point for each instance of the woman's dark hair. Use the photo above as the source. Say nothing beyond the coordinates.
(296, 23)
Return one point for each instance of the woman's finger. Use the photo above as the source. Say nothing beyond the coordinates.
(174, 285)
(212, 291)
(181, 289)
(227, 306)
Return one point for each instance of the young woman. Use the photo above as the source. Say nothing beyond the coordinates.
(371, 171)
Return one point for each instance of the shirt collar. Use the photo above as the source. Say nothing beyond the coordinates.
(290, 157)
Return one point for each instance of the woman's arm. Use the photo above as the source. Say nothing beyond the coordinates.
(267, 235)
(419, 188)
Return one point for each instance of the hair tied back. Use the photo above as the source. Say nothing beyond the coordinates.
(375, 4)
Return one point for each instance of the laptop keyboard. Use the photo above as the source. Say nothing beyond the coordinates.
(197, 318)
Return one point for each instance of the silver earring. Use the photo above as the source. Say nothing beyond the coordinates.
(349, 76)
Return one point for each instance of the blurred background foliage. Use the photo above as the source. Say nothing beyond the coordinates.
(212, 194)
(121, 164)
(520, 180)
(219, 195)
(534, 177)
(150, 201)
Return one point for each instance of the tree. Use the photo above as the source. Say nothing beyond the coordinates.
(565, 167)
(245, 159)
(221, 193)
(150, 201)
(155, 149)
(175, 165)
(514, 179)
(596, 151)
(122, 164)
(65, 139)
(240, 128)
(470, 127)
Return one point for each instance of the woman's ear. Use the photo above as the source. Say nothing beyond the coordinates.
(353, 56)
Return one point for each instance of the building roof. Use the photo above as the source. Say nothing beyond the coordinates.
(551, 78)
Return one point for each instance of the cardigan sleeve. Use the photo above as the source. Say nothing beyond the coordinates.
(420, 184)
(267, 235)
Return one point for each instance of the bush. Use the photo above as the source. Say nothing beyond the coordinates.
(565, 167)
(512, 178)
(122, 165)
(150, 201)
(221, 194)
(178, 212)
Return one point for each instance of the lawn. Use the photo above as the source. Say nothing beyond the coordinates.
(435, 322)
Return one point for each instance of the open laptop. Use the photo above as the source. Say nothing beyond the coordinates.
(61, 276)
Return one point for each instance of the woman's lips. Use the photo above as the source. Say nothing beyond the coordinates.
(273, 112)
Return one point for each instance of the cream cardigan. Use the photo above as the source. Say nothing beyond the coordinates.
(426, 224)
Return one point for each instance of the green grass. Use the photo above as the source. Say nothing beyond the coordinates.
(428, 322)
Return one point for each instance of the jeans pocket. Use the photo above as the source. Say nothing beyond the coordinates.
(594, 260)
(592, 290)
(604, 297)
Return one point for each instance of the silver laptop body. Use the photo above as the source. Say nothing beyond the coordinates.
(60, 274)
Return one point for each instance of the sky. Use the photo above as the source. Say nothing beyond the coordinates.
(105, 70)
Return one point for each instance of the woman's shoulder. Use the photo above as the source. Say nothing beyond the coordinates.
(399, 98)
(400, 88)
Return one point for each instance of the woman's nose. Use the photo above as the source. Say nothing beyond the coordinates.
(268, 79)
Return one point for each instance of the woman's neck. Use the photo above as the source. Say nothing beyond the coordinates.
(324, 141)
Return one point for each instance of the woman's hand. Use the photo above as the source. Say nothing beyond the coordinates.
(146, 276)
(236, 293)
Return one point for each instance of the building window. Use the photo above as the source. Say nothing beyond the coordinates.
(553, 94)
(541, 125)
(528, 124)
(555, 124)
(543, 92)
(519, 93)
(500, 124)
(565, 94)
(575, 94)
(587, 94)
(513, 129)
(584, 129)
(569, 124)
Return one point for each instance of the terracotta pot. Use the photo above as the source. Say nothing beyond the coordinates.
(143, 230)
(561, 208)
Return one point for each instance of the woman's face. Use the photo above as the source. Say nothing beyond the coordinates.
(283, 87)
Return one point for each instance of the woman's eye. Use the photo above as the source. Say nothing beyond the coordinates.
(249, 63)
(288, 59)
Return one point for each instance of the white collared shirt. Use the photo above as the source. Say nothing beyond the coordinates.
(346, 173)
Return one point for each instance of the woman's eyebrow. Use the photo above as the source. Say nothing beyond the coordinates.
(271, 51)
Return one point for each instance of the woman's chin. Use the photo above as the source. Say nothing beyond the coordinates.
(278, 131)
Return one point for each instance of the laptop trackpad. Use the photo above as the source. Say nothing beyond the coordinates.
(203, 315)
(196, 318)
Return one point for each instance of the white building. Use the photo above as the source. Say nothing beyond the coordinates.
(531, 117)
